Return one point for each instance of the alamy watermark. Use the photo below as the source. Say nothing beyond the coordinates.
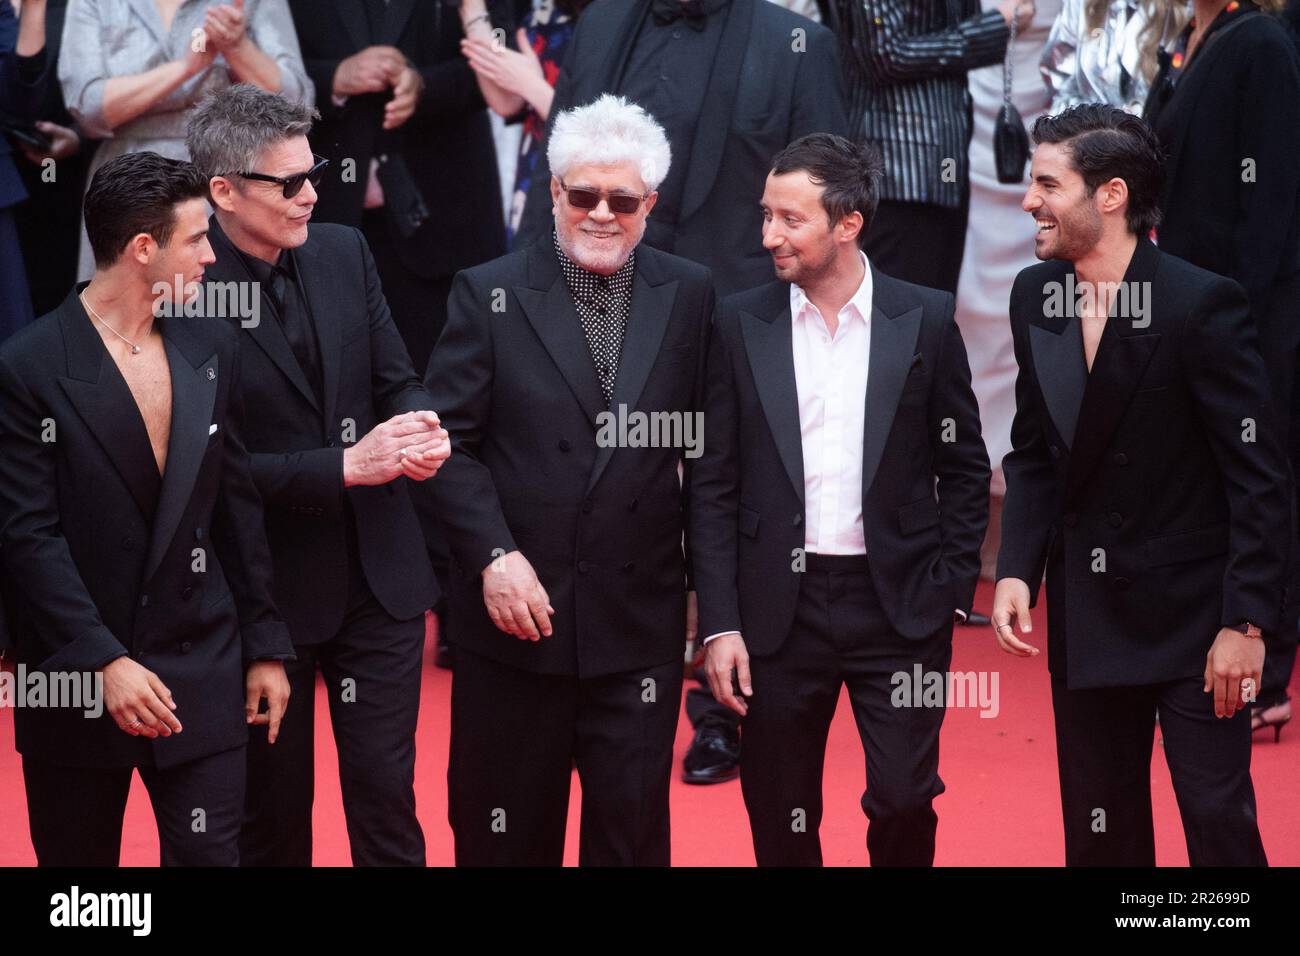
(74, 690)
(638, 429)
(922, 688)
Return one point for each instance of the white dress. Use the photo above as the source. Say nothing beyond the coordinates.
(999, 236)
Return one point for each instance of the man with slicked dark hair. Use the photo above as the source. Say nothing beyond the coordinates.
(1147, 476)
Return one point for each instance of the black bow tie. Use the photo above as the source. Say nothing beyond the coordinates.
(692, 11)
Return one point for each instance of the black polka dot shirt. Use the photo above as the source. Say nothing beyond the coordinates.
(603, 304)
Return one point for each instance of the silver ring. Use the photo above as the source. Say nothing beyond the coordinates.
(403, 452)
(1001, 626)
(135, 723)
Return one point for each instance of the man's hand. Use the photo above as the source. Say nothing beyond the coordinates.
(515, 598)
(406, 94)
(1011, 613)
(373, 70)
(64, 142)
(1234, 657)
(722, 655)
(138, 701)
(267, 681)
(413, 444)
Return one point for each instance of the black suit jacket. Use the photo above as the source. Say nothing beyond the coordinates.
(1238, 101)
(297, 443)
(762, 94)
(1133, 484)
(447, 144)
(515, 384)
(105, 558)
(924, 499)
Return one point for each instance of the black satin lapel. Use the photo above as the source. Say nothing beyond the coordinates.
(771, 359)
(652, 307)
(1117, 370)
(719, 106)
(1062, 373)
(555, 320)
(194, 393)
(893, 346)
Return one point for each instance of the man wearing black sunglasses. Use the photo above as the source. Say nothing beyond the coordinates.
(569, 585)
(339, 420)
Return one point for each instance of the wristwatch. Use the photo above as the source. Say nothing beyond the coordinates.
(1250, 630)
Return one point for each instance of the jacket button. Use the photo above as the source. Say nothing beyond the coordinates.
(584, 567)
(1114, 519)
(631, 505)
(187, 592)
(587, 507)
(798, 520)
(629, 568)
(329, 443)
(1122, 584)
(1071, 519)
(128, 544)
(185, 647)
(144, 600)
(564, 444)
(1056, 452)
(1121, 458)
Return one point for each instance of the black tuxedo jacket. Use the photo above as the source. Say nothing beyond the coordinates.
(762, 95)
(515, 384)
(1154, 488)
(296, 443)
(924, 498)
(447, 144)
(105, 558)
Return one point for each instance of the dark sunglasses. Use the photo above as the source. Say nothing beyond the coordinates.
(590, 199)
(293, 184)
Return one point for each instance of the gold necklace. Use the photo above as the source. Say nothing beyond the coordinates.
(135, 349)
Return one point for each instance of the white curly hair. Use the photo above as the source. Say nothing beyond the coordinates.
(607, 131)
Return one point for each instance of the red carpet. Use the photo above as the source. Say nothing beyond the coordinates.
(1002, 806)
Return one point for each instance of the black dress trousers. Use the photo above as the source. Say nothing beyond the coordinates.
(841, 636)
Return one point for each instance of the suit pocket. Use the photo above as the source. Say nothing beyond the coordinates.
(918, 516)
(1187, 546)
(748, 522)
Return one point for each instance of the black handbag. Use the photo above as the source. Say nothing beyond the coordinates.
(1010, 141)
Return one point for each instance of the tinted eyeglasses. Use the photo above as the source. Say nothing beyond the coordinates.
(590, 198)
(292, 185)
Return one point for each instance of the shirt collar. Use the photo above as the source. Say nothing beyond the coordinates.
(860, 300)
(263, 271)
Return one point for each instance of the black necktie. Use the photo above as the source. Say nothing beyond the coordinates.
(692, 11)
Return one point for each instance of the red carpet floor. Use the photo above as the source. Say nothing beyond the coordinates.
(1001, 808)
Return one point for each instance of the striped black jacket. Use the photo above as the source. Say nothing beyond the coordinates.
(907, 67)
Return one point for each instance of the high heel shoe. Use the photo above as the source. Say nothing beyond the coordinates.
(1273, 715)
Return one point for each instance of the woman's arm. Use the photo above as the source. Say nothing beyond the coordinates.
(477, 25)
(101, 102)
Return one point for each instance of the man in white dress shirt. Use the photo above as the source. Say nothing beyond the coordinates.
(836, 512)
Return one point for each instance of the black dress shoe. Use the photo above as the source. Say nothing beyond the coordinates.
(976, 619)
(714, 756)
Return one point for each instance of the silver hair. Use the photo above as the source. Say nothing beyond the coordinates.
(606, 131)
(231, 128)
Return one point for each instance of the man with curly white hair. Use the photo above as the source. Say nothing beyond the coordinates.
(569, 377)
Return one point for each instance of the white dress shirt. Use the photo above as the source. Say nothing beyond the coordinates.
(830, 373)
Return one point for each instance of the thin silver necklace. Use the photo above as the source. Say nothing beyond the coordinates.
(135, 349)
